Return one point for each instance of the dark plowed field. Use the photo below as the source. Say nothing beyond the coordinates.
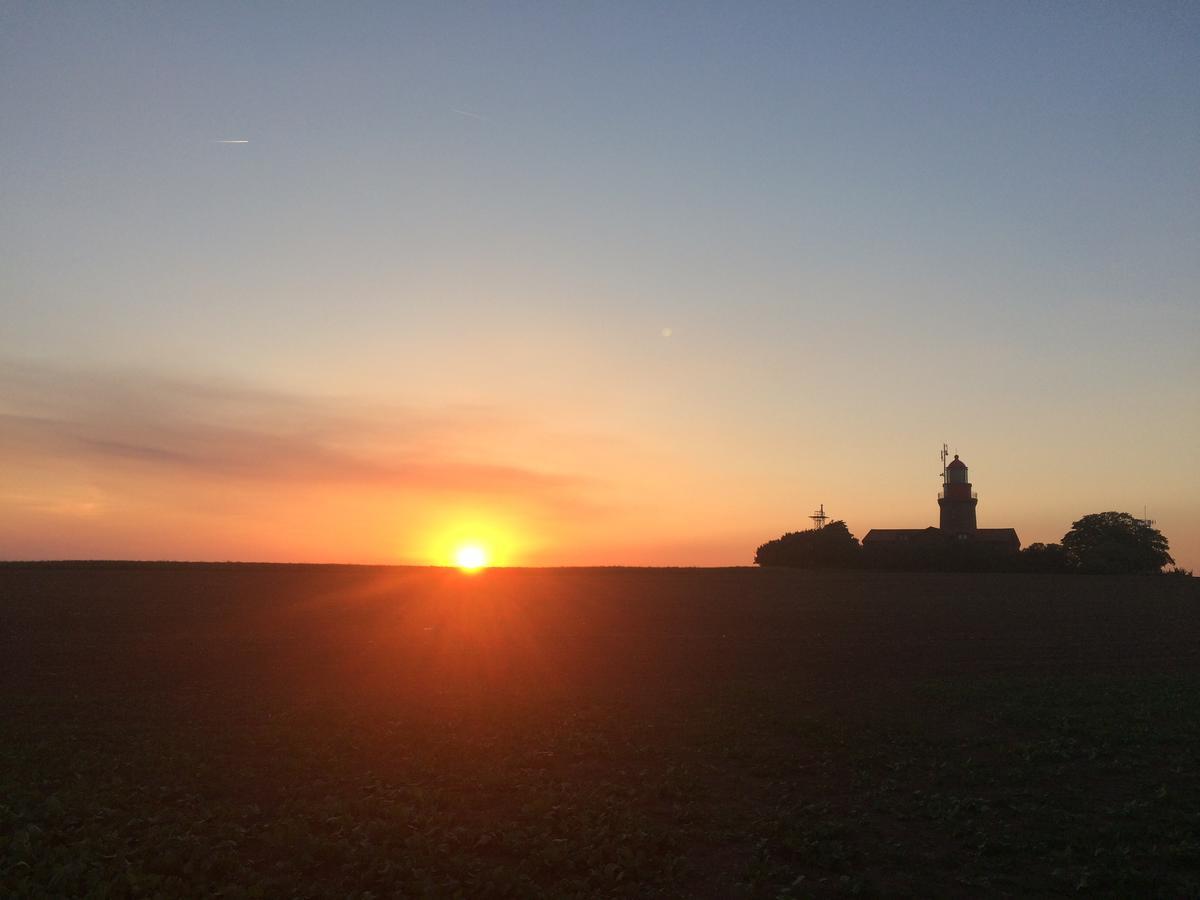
(296, 731)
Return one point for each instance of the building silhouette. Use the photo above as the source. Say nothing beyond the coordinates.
(956, 522)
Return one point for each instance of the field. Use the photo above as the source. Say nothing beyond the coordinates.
(295, 731)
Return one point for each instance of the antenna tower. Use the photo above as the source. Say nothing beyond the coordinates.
(819, 518)
(945, 456)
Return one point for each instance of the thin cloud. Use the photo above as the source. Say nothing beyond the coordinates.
(470, 115)
(230, 142)
(113, 420)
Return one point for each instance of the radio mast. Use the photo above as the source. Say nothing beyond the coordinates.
(819, 518)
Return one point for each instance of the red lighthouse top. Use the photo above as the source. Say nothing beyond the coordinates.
(957, 463)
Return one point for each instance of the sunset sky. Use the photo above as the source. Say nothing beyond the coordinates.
(610, 283)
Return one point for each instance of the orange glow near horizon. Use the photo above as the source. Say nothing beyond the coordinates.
(228, 475)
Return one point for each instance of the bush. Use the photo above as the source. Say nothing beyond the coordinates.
(831, 547)
(1045, 558)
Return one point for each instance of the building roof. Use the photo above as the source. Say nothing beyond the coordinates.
(997, 534)
(956, 463)
(901, 535)
(894, 536)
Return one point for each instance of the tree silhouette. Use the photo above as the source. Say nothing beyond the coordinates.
(1116, 542)
(831, 547)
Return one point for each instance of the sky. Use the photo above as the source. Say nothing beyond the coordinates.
(590, 283)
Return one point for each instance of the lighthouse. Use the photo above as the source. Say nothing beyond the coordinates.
(955, 535)
(957, 500)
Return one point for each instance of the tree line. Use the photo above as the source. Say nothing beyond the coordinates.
(1106, 542)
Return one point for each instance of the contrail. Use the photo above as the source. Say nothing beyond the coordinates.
(231, 142)
(470, 115)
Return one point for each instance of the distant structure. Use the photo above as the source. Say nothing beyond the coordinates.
(956, 499)
(819, 518)
(956, 521)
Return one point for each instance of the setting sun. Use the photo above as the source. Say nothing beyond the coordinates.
(472, 538)
(470, 558)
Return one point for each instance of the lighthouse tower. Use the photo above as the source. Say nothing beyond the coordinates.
(957, 501)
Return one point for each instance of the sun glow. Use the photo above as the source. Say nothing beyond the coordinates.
(472, 539)
(471, 558)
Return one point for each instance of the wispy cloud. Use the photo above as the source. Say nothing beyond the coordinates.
(152, 423)
(469, 114)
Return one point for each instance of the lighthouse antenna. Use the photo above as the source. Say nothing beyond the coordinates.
(945, 454)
